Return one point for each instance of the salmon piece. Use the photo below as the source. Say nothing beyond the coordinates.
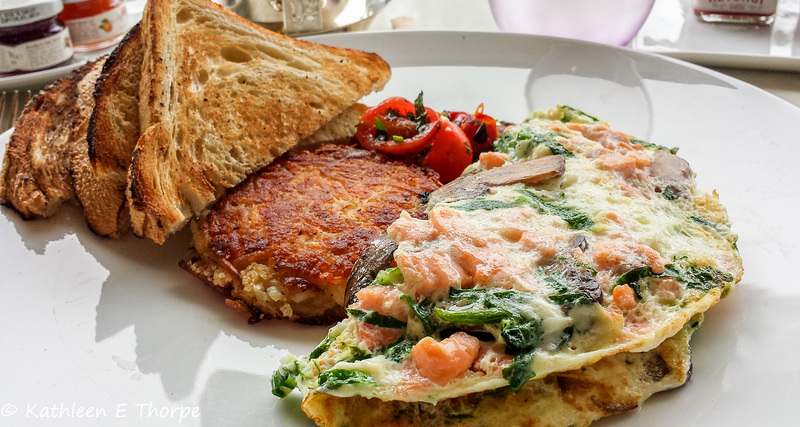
(624, 297)
(407, 228)
(641, 157)
(428, 271)
(386, 301)
(605, 136)
(615, 162)
(619, 257)
(442, 361)
(383, 299)
(614, 217)
(489, 360)
(375, 337)
(543, 243)
(668, 287)
(492, 159)
(478, 252)
(632, 192)
(448, 223)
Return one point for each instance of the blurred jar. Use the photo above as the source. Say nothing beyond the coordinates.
(736, 11)
(94, 24)
(32, 37)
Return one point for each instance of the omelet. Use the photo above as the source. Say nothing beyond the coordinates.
(605, 248)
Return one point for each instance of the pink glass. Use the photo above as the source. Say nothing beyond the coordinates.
(613, 22)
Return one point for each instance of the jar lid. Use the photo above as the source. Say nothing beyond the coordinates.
(21, 12)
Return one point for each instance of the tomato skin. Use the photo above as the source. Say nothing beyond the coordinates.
(393, 114)
(450, 153)
(481, 141)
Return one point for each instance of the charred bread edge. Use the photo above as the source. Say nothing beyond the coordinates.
(98, 87)
(72, 80)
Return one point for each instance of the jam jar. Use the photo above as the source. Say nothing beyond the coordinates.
(94, 24)
(760, 12)
(32, 37)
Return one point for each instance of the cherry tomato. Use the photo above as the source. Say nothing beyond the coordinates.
(450, 153)
(393, 128)
(480, 128)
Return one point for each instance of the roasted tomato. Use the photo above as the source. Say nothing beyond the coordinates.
(450, 153)
(480, 128)
(397, 126)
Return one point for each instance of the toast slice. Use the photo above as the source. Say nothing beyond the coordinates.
(35, 179)
(223, 97)
(100, 165)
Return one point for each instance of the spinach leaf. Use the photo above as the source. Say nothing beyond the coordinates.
(321, 348)
(501, 308)
(574, 115)
(423, 311)
(283, 380)
(694, 277)
(573, 217)
(530, 138)
(483, 316)
(377, 319)
(570, 299)
(653, 147)
(398, 350)
(700, 278)
(668, 193)
(335, 378)
(521, 334)
(519, 371)
(703, 221)
(557, 284)
(483, 204)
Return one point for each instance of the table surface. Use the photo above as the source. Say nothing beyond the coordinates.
(476, 15)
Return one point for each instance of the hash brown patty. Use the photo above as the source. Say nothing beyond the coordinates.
(282, 243)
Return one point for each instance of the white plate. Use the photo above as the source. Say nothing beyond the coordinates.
(672, 29)
(116, 328)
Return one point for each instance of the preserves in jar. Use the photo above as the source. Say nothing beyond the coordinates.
(32, 37)
(95, 24)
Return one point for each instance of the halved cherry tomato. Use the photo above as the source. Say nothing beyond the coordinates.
(450, 153)
(392, 127)
(480, 128)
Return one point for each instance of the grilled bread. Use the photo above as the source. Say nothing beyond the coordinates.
(101, 165)
(283, 242)
(222, 98)
(35, 179)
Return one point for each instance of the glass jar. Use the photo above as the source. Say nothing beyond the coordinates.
(32, 38)
(760, 12)
(95, 24)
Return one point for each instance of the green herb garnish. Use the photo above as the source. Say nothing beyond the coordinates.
(377, 319)
(336, 378)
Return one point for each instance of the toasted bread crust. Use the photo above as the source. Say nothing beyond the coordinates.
(223, 99)
(35, 178)
(610, 386)
(113, 130)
